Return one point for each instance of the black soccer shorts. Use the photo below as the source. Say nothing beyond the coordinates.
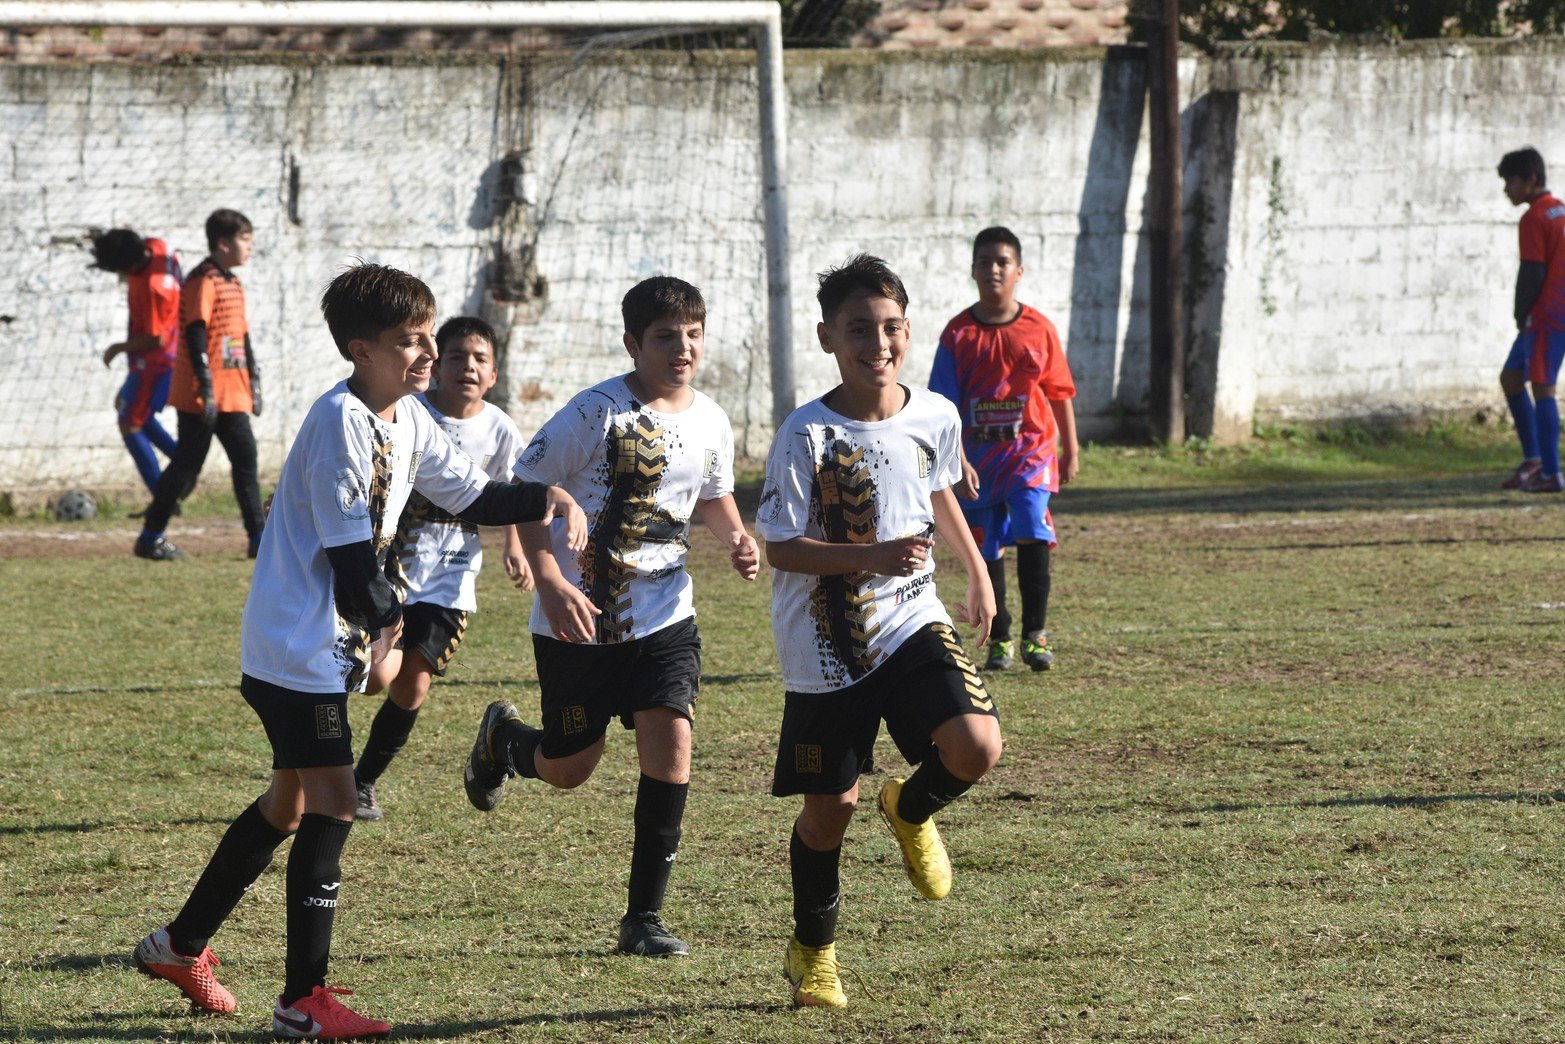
(584, 686)
(305, 729)
(434, 632)
(827, 739)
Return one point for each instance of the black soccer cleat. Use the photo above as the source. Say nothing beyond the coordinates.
(487, 768)
(643, 934)
(158, 550)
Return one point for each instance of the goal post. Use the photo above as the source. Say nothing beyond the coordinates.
(573, 19)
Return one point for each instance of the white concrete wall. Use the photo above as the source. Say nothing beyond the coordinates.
(1354, 251)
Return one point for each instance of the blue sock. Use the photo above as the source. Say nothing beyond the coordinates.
(1525, 418)
(146, 461)
(1548, 413)
(149, 537)
(159, 436)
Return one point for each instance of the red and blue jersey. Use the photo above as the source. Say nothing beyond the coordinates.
(153, 296)
(1002, 377)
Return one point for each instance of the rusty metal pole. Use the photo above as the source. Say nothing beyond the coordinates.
(1166, 199)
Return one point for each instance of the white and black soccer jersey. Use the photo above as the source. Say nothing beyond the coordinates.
(440, 554)
(637, 473)
(347, 477)
(855, 482)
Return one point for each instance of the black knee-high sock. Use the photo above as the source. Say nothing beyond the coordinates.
(929, 789)
(388, 734)
(519, 743)
(314, 888)
(1001, 631)
(817, 889)
(660, 809)
(1032, 579)
(245, 851)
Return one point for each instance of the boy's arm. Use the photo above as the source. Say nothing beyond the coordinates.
(515, 561)
(721, 516)
(1530, 278)
(903, 556)
(943, 378)
(979, 608)
(568, 611)
(1069, 451)
(141, 344)
(508, 503)
(255, 376)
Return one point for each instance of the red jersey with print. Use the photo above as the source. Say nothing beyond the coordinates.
(214, 296)
(1002, 377)
(153, 296)
(1543, 241)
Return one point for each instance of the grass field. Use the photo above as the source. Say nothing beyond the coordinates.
(1297, 778)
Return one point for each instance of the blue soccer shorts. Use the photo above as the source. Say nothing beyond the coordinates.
(1538, 353)
(1024, 515)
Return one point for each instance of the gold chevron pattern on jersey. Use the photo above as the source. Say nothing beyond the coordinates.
(843, 607)
(353, 643)
(638, 459)
(977, 695)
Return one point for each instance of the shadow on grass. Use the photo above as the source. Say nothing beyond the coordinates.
(22, 829)
(608, 1015)
(1458, 491)
(1387, 801)
(1321, 545)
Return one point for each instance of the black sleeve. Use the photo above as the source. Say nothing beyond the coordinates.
(1529, 284)
(195, 347)
(505, 503)
(365, 598)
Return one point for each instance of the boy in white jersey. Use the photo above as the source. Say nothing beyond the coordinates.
(613, 626)
(440, 554)
(857, 484)
(324, 607)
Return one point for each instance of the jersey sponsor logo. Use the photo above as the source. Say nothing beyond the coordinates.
(909, 591)
(328, 721)
(536, 451)
(807, 757)
(926, 461)
(996, 420)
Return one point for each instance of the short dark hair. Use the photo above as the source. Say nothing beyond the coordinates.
(460, 326)
(997, 234)
(225, 224)
(368, 299)
(661, 297)
(1521, 163)
(118, 250)
(861, 273)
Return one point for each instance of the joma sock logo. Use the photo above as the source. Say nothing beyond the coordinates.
(315, 900)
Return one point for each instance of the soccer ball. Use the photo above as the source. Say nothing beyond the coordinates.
(75, 506)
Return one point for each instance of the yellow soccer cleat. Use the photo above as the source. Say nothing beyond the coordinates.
(923, 853)
(812, 972)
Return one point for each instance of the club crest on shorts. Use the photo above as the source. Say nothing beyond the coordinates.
(807, 757)
(574, 720)
(328, 721)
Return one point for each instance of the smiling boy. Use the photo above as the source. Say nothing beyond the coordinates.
(857, 483)
(323, 607)
(614, 629)
(439, 553)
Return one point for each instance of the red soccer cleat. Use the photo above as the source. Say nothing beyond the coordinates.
(156, 956)
(321, 1016)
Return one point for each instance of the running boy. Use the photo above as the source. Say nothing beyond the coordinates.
(614, 628)
(322, 608)
(152, 280)
(1540, 316)
(440, 554)
(857, 484)
(215, 388)
(1001, 363)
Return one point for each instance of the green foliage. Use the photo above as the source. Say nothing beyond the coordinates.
(1209, 21)
(825, 23)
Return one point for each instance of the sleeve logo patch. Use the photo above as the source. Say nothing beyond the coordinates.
(351, 498)
(771, 503)
(536, 451)
(417, 456)
(711, 464)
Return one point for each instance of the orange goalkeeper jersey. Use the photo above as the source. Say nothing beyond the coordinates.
(214, 296)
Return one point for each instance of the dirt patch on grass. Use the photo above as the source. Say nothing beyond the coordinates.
(207, 536)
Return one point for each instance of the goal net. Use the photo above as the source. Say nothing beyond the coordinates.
(530, 173)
